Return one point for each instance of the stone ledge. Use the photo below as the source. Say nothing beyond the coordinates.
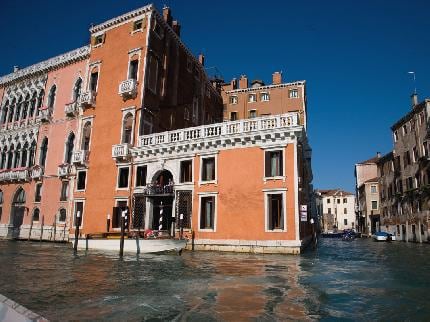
(13, 311)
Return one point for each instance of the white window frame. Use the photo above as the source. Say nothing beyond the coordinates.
(231, 112)
(395, 136)
(57, 219)
(83, 122)
(102, 35)
(268, 192)
(93, 66)
(117, 200)
(40, 192)
(265, 93)
(125, 111)
(252, 95)
(252, 110)
(130, 56)
(373, 186)
(128, 179)
(133, 31)
(208, 156)
(271, 149)
(32, 215)
(192, 171)
(291, 91)
(371, 205)
(77, 178)
(135, 175)
(233, 99)
(74, 211)
(203, 195)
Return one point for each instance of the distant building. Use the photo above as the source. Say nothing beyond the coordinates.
(335, 208)
(367, 197)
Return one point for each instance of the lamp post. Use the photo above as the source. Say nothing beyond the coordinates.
(77, 224)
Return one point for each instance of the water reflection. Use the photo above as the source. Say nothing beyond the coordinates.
(353, 280)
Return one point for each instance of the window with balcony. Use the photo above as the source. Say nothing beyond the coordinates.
(186, 171)
(141, 176)
(207, 212)
(4, 112)
(133, 69)
(275, 211)
(79, 208)
(81, 180)
(62, 215)
(252, 114)
(11, 110)
(233, 116)
(64, 190)
(36, 215)
(127, 129)
(26, 106)
(208, 169)
(77, 90)
(94, 78)
(252, 98)
(32, 154)
(123, 174)
(273, 164)
(18, 108)
(293, 93)
(51, 96)
(43, 152)
(33, 103)
(38, 193)
(233, 99)
(70, 145)
(86, 136)
(17, 158)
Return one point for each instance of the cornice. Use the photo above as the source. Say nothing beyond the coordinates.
(47, 65)
(252, 89)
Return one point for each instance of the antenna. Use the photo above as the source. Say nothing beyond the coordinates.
(415, 84)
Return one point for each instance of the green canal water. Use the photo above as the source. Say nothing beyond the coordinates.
(358, 280)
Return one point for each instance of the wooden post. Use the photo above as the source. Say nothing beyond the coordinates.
(121, 244)
(77, 224)
(108, 223)
(31, 228)
(55, 225)
(181, 226)
(41, 228)
(173, 225)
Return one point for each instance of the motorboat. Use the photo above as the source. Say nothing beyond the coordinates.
(383, 236)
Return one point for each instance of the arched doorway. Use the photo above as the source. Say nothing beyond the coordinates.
(17, 212)
(160, 193)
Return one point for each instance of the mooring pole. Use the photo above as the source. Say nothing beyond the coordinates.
(121, 244)
(173, 224)
(77, 224)
(181, 226)
(108, 223)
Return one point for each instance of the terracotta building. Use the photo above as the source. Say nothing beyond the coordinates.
(132, 122)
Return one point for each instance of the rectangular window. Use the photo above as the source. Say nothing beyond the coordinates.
(82, 178)
(410, 183)
(345, 222)
(425, 150)
(328, 200)
(252, 98)
(415, 153)
(374, 205)
(293, 93)
(274, 165)
(123, 177)
(405, 129)
(64, 190)
(153, 74)
(79, 207)
(141, 176)
(93, 81)
(233, 99)
(338, 201)
(138, 25)
(208, 169)
(121, 206)
(329, 210)
(98, 40)
(345, 211)
(275, 211)
(38, 193)
(186, 171)
(132, 69)
(372, 189)
(264, 97)
(207, 212)
(233, 116)
(345, 200)
(396, 136)
(252, 114)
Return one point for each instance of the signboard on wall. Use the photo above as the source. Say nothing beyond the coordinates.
(303, 213)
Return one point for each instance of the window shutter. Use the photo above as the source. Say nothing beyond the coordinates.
(281, 209)
(267, 164)
(270, 211)
(281, 163)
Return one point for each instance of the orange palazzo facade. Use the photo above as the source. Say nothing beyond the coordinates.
(133, 123)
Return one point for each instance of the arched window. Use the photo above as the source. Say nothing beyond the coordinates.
(32, 156)
(36, 214)
(62, 215)
(43, 152)
(17, 160)
(11, 110)
(1, 197)
(18, 108)
(33, 104)
(25, 107)
(19, 197)
(70, 144)
(24, 155)
(127, 127)
(86, 136)
(77, 89)
(10, 157)
(51, 97)
(40, 99)
(4, 112)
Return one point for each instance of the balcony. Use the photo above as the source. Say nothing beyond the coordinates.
(71, 109)
(17, 174)
(36, 173)
(87, 99)
(64, 170)
(44, 114)
(80, 157)
(128, 88)
(156, 189)
(121, 151)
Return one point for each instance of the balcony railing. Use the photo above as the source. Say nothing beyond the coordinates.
(64, 170)
(221, 129)
(18, 174)
(87, 99)
(121, 151)
(156, 189)
(36, 173)
(71, 109)
(80, 157)
(44, 114)
(128, 88)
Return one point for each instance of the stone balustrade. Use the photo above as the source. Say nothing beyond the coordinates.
(64, 170)
(87, 99)
(121, 151)
(70, 109)
(80, 156)
(44, 114)
(128, 88)
(219, 130)
(17, 174)
(36, 173)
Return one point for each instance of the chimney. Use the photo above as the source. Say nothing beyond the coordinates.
(378, 155)
(176, 27)
(233, 83)
(167, 15)
(15, 69)
(277, 78)
(202, 59)
(243, 81)
(414, 99)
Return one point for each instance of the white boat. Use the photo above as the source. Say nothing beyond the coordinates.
(134, 245)
(383, 236)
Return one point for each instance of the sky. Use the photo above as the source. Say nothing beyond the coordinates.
(354, 55)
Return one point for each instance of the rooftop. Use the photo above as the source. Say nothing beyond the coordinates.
(334, 192)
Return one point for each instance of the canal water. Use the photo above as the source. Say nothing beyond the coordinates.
(358, 280)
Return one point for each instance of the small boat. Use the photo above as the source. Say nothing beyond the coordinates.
(332, 235)
(383, 236)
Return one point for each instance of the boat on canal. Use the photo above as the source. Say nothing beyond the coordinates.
(383, 236)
